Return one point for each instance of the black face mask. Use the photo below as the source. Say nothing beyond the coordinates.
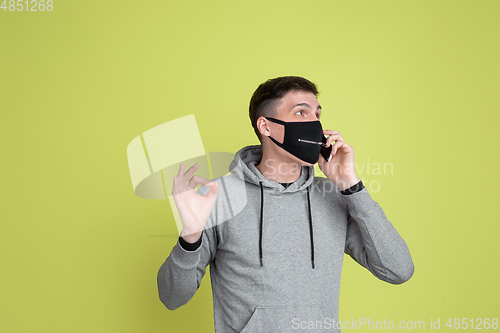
(304, 130)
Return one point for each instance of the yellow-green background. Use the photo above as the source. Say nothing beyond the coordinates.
(412, 83)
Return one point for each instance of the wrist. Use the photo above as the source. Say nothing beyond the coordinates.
(192, 237)
(345, 183)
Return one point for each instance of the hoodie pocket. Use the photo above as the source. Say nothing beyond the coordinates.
(294, 318)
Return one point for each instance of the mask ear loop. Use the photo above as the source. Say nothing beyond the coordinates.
(274, 120)
(281, 122)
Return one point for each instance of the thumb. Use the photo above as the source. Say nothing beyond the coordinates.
(214, 188)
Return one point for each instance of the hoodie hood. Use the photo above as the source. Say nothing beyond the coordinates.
(244, 167)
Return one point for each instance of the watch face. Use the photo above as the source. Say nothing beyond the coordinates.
(326, 152)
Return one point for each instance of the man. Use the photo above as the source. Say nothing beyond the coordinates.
(275, 245)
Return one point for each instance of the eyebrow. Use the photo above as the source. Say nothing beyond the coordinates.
(306, 105)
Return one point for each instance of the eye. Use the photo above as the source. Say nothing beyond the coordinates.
(299, 111)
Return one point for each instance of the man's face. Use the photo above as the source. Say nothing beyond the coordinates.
(295, 106)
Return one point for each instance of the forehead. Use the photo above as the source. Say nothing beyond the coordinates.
(298, 96)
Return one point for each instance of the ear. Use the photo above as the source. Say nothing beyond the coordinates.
(262, 126)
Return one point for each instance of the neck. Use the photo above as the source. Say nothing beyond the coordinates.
(274, 167)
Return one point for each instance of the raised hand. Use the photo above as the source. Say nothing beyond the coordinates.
(341, 168)
(194, 208)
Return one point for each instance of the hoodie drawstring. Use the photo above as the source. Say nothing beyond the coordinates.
(310, 227)
(262, 220)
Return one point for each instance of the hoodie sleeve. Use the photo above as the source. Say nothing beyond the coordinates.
(180, 275)
(190, 246)
(373, 242)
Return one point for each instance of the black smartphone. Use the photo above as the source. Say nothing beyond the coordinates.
(326, 152)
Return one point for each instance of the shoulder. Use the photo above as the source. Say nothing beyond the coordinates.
(324, 184)
(325, 190)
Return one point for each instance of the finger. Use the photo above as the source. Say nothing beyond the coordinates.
(330, 132)
(339, 145)
(198, 180)
(334, 137)
(214, 189)
(181, 170)
(177, 185)
(191, 171)
(336, 146)
(330, 139)
(177, 182)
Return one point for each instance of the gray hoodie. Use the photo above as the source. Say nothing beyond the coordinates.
(276, 253)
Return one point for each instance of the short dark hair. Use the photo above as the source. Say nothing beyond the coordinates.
(265, 99)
